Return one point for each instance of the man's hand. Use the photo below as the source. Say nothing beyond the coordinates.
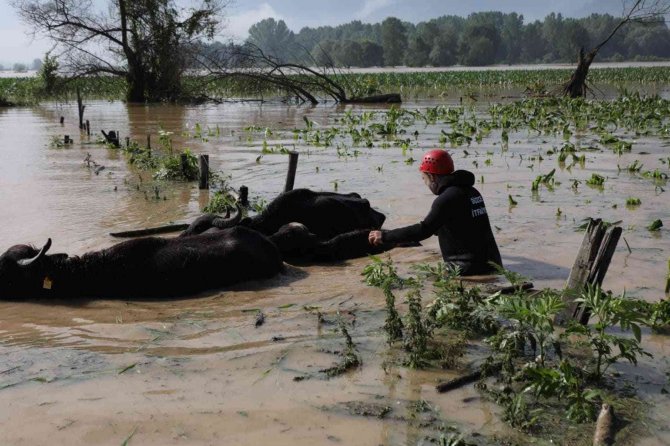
(375, 238)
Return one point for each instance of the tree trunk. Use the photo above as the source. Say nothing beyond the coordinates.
(576, 86)
(136, 84)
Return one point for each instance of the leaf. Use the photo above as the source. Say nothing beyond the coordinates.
(636, 332)
(126, 368)
(127, 440)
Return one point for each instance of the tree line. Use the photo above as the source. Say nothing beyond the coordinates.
(482, 38)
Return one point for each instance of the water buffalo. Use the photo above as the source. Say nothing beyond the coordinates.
(325, 214)
(148, 266)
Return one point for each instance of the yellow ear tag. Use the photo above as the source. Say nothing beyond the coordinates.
(47, 283)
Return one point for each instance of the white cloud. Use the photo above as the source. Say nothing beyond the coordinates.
(237, 25)
(370, 7)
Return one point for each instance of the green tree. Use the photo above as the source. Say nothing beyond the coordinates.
(511, 33)
(324, 53)
(372, 54)
(394, 41)
(273, 37)
(418, 52)
(645, 42)
(147, 42)
(48, 73)
(479, 44)
(533, 45)
(350, 53)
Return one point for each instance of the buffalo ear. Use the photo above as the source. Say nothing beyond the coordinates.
(27, 262)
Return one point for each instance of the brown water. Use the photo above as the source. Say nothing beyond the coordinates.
(202, 373)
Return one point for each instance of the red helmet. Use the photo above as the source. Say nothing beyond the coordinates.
(437, 162)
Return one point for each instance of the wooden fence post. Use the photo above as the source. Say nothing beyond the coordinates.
(590, 267)
(80, 107)
(184, 163)
(292, 167)
(244, 196)
(204, 172)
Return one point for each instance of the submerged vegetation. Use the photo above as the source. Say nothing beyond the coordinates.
(31, 90)
(537, 372)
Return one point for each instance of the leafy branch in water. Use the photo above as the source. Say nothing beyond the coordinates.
(393, 325)
(610, 311)
(417, 333)
(382, 274)
(350, 358)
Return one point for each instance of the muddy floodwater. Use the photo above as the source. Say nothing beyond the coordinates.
(197, 370)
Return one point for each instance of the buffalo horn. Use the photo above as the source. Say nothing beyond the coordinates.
(42, 253)
(229, 222)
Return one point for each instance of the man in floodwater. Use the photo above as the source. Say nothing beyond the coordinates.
(458, 217)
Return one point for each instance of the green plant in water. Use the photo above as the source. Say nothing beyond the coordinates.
(258, 204)
(609, 312)
(381, 274)
(596, 180)
(516, 411)
(178, 167)
(462, 309)
(546, 180)
(533, 320)
(655, 225)
(659, 312)
(514, 278)
(633, 202)
(221, 202)
(350, 358)
(564, 382)
(416, 332)
(635, 166)
(56, 142)
(393, 324)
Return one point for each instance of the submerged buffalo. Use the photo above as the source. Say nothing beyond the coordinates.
(165, 267)
(325, 214)
(148, 266)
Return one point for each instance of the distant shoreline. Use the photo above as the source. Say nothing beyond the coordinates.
(550, 66)
(455, 68)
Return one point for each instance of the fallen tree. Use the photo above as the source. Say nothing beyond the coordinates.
(646, 11)
(260, 71)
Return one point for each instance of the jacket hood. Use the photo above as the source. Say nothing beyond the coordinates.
(458, 178)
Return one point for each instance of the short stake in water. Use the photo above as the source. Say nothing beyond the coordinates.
(204, 172)
(292, 167)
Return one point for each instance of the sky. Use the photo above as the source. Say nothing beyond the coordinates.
(16, 45)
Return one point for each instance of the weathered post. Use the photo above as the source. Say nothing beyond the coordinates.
(591, 264)
(88, 128)
(204, 172)
(184, 163)
(244, 196)
(292, 167)
(80, 107)
(149, 141)
(127, 142)
(62, 120)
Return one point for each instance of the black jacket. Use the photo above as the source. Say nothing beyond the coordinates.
(458, 217)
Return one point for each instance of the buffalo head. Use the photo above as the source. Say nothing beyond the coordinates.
(23, 271)
(294, 241)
